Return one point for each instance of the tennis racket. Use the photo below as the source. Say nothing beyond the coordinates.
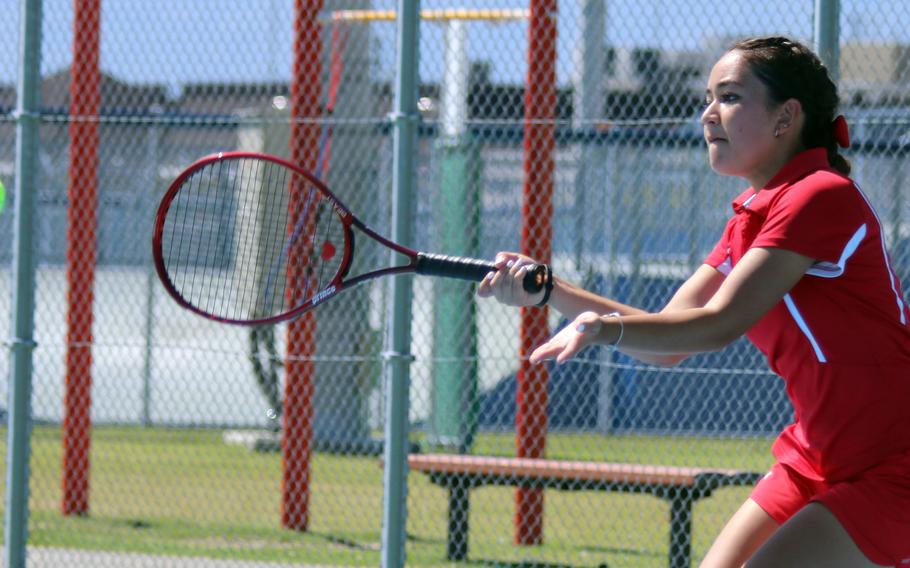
(251, 239)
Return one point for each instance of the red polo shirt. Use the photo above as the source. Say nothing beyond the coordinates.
(840, 337)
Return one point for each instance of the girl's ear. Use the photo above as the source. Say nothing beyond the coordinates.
(789, 116)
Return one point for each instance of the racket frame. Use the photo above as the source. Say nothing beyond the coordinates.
(337, 283)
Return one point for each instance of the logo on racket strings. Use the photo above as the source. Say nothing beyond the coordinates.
(322, 295)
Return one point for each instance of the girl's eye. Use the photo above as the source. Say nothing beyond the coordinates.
(729, 97)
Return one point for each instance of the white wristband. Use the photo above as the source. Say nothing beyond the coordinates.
(622, 328)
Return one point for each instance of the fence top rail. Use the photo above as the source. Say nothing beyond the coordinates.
(675, 134)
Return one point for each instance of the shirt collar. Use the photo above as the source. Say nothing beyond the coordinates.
(797, 168)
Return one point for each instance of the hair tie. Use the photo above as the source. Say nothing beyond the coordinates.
(841, 131)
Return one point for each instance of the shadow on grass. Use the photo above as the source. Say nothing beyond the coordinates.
(352, 544)
(526, 564)
(640, 554)
(347, 542)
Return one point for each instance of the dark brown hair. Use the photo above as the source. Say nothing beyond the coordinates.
(790, 70)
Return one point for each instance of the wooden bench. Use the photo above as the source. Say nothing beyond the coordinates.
(681, 486)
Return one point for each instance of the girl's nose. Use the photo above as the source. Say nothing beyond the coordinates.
(709, 115)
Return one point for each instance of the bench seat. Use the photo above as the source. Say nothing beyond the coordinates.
(681, 486)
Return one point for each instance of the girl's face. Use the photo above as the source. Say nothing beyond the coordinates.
(739, 123)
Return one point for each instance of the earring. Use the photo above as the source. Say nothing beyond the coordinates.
(776, 131)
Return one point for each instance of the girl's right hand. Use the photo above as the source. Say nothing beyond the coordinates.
(506, 284)
(571, 339)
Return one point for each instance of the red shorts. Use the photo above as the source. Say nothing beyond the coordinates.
(874, 507)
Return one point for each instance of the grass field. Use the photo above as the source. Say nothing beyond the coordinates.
(185, 492)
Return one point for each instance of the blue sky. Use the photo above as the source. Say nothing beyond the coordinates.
(178, 41)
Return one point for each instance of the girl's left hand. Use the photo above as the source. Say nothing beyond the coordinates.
(570, 340)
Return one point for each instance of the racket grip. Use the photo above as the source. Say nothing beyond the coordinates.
(473, 269)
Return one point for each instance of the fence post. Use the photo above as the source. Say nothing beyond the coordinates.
(23, 301)
(826, 30)
(297, 435)
(589, 66)
(397, 371)
(81, 253)
(536, 237)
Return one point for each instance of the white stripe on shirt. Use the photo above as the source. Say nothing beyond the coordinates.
(801, 322)
(891, 277)
(831, 270)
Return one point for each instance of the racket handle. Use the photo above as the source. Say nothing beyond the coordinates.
(472, 269)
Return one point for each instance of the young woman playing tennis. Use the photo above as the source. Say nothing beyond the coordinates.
(802, 270)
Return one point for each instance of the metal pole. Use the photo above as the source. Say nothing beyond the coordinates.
(589, 107)
(454, 375)
(145, 200)
(539, 152)
(23, 298)
(455, 83)
(397, 372)
(590, 59)
(81, 254)
(300, 369)
(827, 34)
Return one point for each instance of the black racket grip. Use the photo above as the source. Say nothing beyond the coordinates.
(473, 269)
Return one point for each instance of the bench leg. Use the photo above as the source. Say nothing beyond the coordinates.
(680, 530)
(459, 504)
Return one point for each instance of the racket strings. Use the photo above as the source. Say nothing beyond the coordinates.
(313, 241)
(221, 251)
(306, 279)
(192, 248)
(271, 295)
(323, 250)
(266, 228)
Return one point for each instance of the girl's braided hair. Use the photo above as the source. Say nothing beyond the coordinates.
(790, 70)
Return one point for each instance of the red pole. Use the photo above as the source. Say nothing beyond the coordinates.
(85, 103)
(297, 442)
(536, 238)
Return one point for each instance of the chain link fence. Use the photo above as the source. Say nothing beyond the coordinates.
(156, 432)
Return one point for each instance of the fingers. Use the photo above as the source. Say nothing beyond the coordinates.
(486, 287)
(545, 352)
(570, 340)
(506, 282)
(564, 345)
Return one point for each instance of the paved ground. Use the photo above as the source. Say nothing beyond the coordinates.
(65, 558)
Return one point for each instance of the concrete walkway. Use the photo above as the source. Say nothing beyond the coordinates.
(68, 558)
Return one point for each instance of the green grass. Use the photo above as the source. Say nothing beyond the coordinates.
(185, 492)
